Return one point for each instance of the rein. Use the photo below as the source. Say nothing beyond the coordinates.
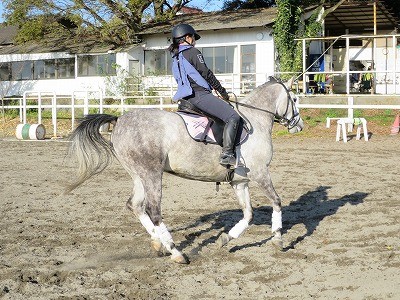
(277, 118)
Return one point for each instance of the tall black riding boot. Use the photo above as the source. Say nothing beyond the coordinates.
(227, 157)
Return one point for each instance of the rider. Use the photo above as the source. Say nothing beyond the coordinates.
(195, 83)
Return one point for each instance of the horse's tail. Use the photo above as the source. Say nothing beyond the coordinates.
(92, 151)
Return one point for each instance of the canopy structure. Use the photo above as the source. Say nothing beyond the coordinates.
(360, 16)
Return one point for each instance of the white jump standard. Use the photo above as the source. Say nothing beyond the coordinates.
(361, 123)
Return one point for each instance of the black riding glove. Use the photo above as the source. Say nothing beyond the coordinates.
(224, 94)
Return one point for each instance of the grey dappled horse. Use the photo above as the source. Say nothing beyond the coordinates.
(148, 142)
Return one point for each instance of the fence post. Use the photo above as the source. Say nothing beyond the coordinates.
(20, 111)
(39, 107)
(24, 108)
(350, 111)
(54, 114)
(101, 102)
(72, 111)
(86, 104)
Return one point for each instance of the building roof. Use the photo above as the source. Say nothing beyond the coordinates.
(244, 18)
(50, 44)
(7, 34)
(201, 21)
(358, 16)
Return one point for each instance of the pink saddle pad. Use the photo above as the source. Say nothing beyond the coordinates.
(199, 128)
(196, 126)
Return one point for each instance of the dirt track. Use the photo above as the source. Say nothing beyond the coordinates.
(341, 208)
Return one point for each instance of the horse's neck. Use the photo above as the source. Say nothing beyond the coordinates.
(261, 121)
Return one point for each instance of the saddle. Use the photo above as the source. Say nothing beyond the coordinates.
(206, 128)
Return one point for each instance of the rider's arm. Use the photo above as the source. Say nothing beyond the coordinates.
(195, 57)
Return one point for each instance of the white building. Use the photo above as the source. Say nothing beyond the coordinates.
(238, 47)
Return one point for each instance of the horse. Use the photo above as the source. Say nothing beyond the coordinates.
(149, 142)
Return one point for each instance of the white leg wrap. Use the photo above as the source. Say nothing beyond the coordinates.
(238, 229)
(148, 224)
(163, 234)
(276, 221)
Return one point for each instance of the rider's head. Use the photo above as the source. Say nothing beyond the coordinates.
(184, 33)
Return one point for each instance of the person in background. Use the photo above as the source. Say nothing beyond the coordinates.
(195, 84)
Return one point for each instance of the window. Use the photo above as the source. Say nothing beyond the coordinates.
(157, 62)
(248, 58)
(65, 68)
(5, 71)
(248, 67)
(38, 69)
(50, 68)
(94, 65)
(21, 70)
(44, 69)
(219, 59)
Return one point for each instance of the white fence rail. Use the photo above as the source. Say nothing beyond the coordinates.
(81, 101)
(94, 102)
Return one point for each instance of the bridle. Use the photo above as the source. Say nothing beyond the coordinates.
(283, 120)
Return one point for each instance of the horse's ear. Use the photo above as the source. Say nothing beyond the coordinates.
(289, 83)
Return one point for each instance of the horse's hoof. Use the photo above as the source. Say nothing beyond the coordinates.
(159, 248)
(179, 258)
(278, 243)
(224, 240)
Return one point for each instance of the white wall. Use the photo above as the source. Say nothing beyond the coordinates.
(59, 86)
(260, 36)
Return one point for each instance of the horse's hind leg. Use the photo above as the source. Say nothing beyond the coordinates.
(145, 202)
(136, 203)
(242, 192)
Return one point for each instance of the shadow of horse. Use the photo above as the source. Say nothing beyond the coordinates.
(310, 209)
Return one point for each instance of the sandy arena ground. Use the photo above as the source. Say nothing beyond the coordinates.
(341, 208)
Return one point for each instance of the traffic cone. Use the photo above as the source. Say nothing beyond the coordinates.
(395, 126)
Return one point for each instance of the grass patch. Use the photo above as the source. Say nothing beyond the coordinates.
(314, 117)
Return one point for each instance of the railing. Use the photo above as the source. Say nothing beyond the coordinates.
(83, 101)
(383, 64)
(86, 102)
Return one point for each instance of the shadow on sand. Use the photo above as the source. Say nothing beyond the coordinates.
(310, 209)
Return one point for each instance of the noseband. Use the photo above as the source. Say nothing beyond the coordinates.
(295, 119)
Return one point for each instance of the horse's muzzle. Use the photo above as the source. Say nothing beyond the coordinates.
(298, 127)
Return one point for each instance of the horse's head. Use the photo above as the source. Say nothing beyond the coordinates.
(287, 113)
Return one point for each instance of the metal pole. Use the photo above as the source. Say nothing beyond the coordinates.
(304, 67)
(375, 17)
(395, 63)
(373, 83)
(347, 66)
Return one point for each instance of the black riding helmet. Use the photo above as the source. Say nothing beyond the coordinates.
(181, 30)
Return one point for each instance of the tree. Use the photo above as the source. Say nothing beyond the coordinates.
(289, 25)
(238, 4)
(113, 21)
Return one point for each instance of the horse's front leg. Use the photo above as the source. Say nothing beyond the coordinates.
(242, 192)
(276, 220)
